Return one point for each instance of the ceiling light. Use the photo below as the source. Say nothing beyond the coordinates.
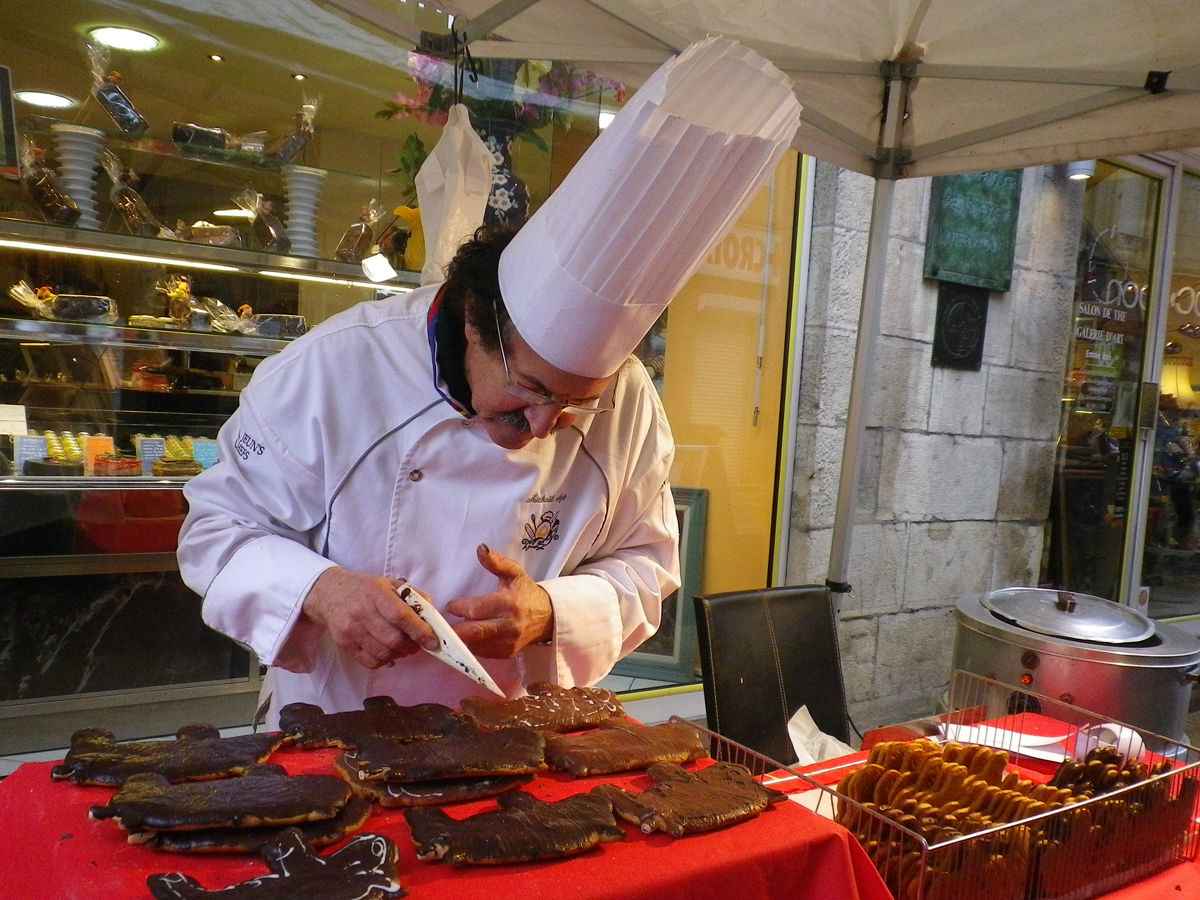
(45, 99)
(1081, 170)
(124, 39)
(298, 76)
(216, 57)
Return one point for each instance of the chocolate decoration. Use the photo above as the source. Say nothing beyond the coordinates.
(463, 750)
(392, 794)
(683, 802)
(198, 753)
(265, 795)
(310, 726)
(523, 829)
(322, 833)
(547, 706)
(619, 745)
(365, 869)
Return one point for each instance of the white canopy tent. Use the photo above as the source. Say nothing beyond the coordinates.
(895, 89)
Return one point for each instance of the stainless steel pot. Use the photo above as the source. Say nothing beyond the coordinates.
(1083, 650)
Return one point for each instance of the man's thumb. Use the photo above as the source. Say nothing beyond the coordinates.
(494, 562)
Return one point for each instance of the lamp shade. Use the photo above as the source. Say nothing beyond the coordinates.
(1177, 381)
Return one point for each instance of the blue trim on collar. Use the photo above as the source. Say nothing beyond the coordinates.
(431, 322)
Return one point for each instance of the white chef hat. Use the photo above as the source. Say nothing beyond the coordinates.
(587, 276)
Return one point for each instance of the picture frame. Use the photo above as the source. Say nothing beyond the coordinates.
(10, 163)
(670, 655)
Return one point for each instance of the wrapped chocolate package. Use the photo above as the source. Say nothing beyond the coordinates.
(188, 134)
(178, 291)
(277, 326)
(138, 218)
(186, 310)
(200, 136)
(106, 88)
(217, 316)
(302, 133)
(359, 238)
(268, 229)
(83, 307)
(41, 182)
(44, 302)
(208, 233)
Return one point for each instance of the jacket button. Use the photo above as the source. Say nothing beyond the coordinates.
(416, 475)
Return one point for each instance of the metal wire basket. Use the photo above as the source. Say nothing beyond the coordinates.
(1143, 821)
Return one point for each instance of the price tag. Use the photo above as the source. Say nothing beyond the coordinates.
(28, 446)
(97, 445)
(148, 449)
(205, 451)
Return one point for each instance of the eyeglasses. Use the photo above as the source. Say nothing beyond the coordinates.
(530, 397)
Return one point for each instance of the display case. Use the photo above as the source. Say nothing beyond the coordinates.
(95, 623)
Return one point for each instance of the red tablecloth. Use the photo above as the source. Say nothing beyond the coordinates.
(1181, 882)
(53, 851)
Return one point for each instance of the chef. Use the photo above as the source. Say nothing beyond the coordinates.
(489, 440)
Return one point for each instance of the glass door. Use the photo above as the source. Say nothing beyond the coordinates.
(1107, 415)
(1171, 562)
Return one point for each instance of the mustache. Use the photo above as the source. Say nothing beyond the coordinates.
(513, 419)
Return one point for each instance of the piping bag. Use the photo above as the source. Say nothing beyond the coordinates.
(452, 651)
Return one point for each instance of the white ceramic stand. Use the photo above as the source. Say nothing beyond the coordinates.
(303, 187)
(78, 150)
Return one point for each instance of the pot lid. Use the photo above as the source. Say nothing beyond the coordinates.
(1081, 617)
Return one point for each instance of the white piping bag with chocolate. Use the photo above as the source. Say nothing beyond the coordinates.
(452, 651)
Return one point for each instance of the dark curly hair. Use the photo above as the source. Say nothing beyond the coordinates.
(472, 287)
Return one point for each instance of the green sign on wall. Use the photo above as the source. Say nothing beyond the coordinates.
(973, 228)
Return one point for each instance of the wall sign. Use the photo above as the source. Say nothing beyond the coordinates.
(973, 228)
(960, 327)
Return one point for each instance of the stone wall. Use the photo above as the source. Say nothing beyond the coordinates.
(955, 487)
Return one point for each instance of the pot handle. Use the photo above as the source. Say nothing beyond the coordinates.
(1192, 675)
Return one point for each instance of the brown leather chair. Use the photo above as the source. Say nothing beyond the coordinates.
(763, 655)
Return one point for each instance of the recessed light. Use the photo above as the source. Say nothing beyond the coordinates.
(298, 76)
(124, 38)
(216, 57)
(45, 99)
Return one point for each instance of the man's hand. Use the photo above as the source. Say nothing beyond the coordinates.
(501, 624)
(366, 618)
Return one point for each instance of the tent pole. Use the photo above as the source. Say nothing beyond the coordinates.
(896, 80)
(860, 383)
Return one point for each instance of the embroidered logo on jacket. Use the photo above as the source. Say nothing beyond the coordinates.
(245, 445)
(540, 531)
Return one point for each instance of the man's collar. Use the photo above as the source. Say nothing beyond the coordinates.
(447, 353)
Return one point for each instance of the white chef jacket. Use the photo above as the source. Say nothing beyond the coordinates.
(346, 450)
